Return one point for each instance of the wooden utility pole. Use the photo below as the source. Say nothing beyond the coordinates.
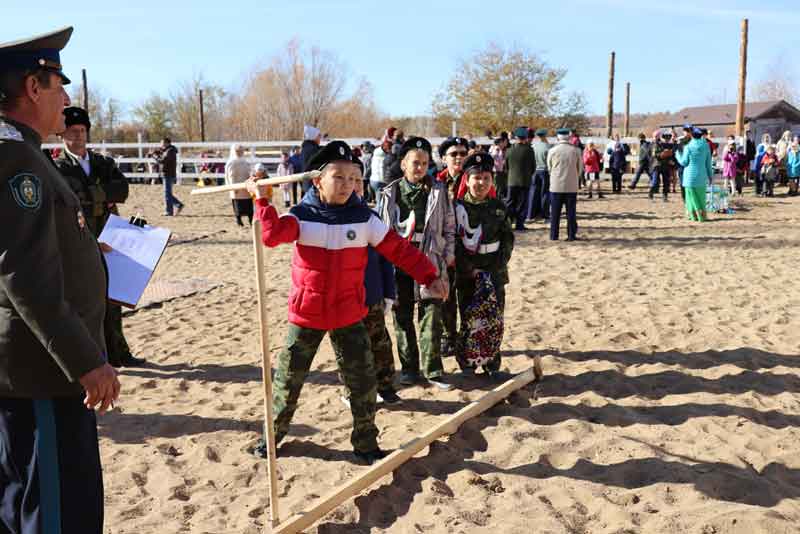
(86, 101)
(627, 109)
(202, 119)
(610, 115)
(742, 81)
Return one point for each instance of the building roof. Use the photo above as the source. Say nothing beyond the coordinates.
(726, 113)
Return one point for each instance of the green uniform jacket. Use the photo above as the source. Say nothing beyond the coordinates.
(521, 164)
(490, 218)
(52, 277)
(99, 192)
(540, 149)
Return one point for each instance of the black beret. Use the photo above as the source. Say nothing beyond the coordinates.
(480, 161)
(76, 115)
(333, 151)
(452, 141)
(415, 143)
(40, 52)
(359, 163)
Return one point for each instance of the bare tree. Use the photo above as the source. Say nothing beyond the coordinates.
(302, 86)
(186, 109)
(104, 111)
(777, 83)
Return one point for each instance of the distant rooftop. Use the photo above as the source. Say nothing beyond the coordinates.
(726, 113)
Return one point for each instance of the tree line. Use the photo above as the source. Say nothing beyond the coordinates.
(497, 88)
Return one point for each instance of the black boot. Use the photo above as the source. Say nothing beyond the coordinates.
(371, 457)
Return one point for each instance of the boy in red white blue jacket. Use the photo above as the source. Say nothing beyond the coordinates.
(332, 230)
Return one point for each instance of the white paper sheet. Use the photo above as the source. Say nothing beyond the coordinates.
(134, 257)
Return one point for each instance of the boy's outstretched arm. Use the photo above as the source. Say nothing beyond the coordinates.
(274, 230)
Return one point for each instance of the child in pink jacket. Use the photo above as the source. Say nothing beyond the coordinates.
(730, 168)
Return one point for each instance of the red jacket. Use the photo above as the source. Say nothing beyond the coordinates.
(591, 160)
(330, 257)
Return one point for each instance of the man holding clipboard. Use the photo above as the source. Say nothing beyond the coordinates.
(100, 186)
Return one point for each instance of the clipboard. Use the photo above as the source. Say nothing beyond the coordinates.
(136, 250)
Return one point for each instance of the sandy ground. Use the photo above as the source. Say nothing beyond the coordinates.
(671, 401)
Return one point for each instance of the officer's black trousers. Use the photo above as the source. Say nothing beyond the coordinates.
(558, 201)
(516, 204)
(50, 476)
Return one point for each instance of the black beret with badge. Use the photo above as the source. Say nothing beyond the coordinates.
(333, 151)
(450, 142)
(34, 53)
(75, 115)
(479, 162)
(415, 143)
(360, 164)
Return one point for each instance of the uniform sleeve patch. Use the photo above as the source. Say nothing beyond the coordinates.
(9, 133)
(27, 191)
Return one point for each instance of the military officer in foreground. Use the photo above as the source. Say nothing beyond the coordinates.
(53, 368)
(100, 186)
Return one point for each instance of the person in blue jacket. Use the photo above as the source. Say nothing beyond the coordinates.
(381, 294)
(695, 158)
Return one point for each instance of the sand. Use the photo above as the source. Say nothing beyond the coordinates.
(671, 401)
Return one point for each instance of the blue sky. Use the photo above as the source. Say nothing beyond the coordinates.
(674, 52)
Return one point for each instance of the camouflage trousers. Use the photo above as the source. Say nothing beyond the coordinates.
(466, 290)
(116, 345)
(381, 345)
(430, 330)
(357, 368)
(450, 310)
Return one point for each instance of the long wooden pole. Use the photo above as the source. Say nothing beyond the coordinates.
(627, 109)
(85, 90)
(303, 520)
(610, 113)
(266, 372)
(202, 118)
(742, 81)
(310, 175)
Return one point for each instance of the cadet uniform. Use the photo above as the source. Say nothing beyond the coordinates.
(98, 191)
(423, 214)
(485, 242)
(450, 306)
(328, 296)
(52, 303)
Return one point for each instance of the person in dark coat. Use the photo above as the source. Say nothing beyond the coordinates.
(311, 139)
(53, 366)
(100, 186)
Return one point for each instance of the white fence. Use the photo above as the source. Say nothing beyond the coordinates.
(268, 152)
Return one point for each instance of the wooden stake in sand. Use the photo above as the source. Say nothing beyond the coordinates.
(266, 371)
(742, 81)
(310, 175)
(450, 425)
